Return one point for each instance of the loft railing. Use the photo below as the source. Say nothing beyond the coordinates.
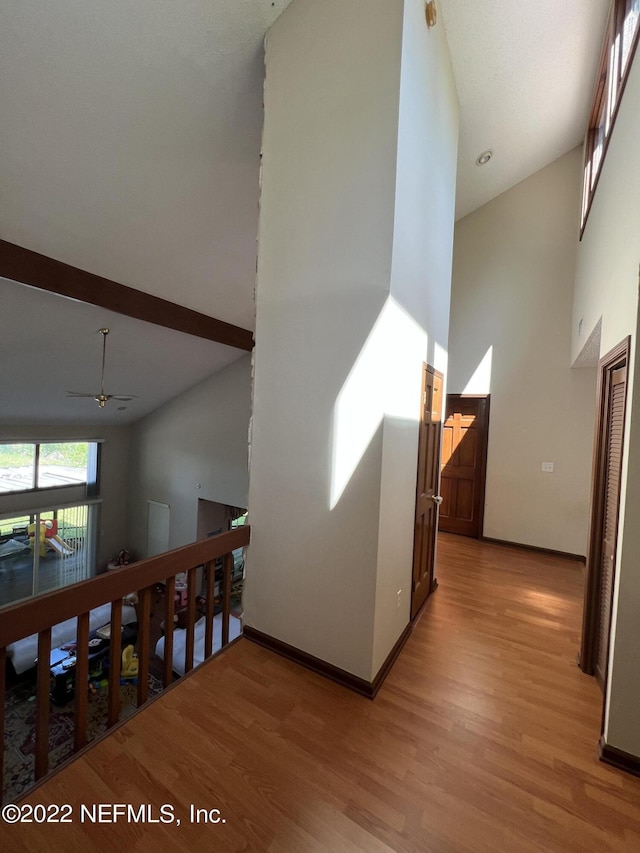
(38, 615)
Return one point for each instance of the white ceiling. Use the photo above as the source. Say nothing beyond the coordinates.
(130, 132)
(130, 139)
(50, 345)
(525, 73)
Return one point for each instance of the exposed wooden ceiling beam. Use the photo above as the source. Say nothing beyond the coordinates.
(23, 265)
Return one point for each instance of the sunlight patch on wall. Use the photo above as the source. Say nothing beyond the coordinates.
(480, 382)
(441, 363)
(440, 359)
(385, 380)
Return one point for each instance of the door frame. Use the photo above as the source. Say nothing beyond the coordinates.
(616, 358)
(483, 434)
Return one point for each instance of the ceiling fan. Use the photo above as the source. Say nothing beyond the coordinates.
(102, 398)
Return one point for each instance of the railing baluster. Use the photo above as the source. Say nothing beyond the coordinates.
(3, 675)
(82, 681)
(191, 619)
(115, 663)
(167, 669)
(227, 562)
(42, 703)
(30, 621)
(144, 625)
(210, 569)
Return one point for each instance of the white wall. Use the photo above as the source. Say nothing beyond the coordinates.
(426, 170)
(606, 283)
(324, 262)
(421, 285)
(328, 421)
(513, 271)
(200, 437)
(607, 286)
(130, 142)
(114, 479)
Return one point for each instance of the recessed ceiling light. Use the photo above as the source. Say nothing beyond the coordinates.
(483, 159)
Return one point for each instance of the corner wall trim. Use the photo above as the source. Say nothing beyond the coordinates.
(618, 758)
(368, 689)
(389, 661)
(579, 558)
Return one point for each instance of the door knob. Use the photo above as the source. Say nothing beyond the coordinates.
(436, 499)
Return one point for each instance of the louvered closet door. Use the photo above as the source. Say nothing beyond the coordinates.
(615, 432)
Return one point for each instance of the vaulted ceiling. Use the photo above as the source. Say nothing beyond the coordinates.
(130, 141)
(130, 132)
(50, 345)
(525, 74)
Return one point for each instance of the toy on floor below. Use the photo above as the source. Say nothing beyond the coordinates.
(122, 558)
(130, 663)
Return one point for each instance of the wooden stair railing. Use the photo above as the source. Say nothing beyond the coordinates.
(40, 614)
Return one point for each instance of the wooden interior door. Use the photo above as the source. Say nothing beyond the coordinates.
(596, 627)
(465, 436)
(427, 497)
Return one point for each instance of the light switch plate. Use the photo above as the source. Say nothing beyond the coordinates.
(547, 467)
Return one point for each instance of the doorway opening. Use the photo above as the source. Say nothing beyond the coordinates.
(465, 437)
(214, 518)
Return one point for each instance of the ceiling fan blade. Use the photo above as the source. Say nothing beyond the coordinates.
(123, 397)
(78, 394)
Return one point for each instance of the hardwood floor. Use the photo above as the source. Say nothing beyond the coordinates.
(483, 738)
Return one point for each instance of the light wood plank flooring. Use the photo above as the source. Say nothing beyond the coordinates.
(483, 738)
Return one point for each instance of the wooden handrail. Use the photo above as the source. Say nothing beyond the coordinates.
(39, 615)
(36, 614)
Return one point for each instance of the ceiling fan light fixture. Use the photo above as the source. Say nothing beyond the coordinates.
(102, 399)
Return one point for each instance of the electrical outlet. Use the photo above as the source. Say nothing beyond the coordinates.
(547, 467)
(398, 599)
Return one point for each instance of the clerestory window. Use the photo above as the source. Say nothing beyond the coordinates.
(620, 42)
